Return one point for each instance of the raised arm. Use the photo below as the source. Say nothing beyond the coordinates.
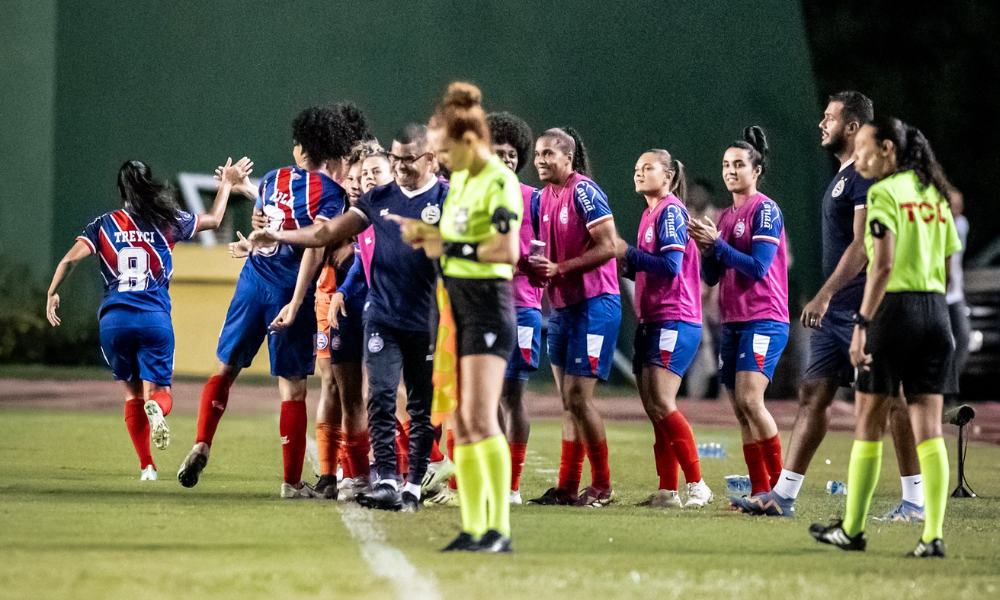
(66, 266)
(230, 175)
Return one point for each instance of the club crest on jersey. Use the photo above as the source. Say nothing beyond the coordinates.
(564, 215)
(322, 341)
(462, 221)
(375, 344)
(335, 343)
(740, 229)
(649, 235)
(431, 214)
(839, 188)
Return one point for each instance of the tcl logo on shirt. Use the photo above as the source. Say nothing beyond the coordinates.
(926, 210)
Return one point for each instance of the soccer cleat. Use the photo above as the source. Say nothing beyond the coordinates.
(595, 497)
(303, 491)
(159, 432)
(767, 504)
(905, 512)
(381, 497)
(515, 497)
(326, 487)
(931, 549)
(148, 474)
(698, 495)
(445, 497)
(555, 497)
(193, 465)
(437, 475)
(835, 535)
(494, 542)
(410, 503)
(463, 543)
(662, 499)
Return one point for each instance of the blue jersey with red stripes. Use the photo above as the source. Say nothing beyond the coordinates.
(136, 258)
(291, 198)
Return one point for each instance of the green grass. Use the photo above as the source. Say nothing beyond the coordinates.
(75, 522)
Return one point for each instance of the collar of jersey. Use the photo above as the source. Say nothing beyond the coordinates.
(422, 190)
(849, 162)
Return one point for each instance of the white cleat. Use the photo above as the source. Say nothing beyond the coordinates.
(159, 432)
(663, 499)
(515, 497)
(437, 475)
(698, 495)
(290, 492)
(445, 497)
(148, 474)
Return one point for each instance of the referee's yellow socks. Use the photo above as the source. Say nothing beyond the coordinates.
(483, 474)
(862, 478)
(933, 457)
(471, 489)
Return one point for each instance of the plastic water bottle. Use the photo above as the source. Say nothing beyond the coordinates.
(837, 488)
(711, 451)
(737, 485)
(720, 451)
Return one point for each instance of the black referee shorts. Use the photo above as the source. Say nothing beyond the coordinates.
(485, 319)
(910, 342)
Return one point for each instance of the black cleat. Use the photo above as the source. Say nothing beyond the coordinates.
(931, 549)
(381, 497)
(835, 535)
(555, 497)
(326, 487)
(410, 503)
(494, 542)
(193, 465)
(463, 543)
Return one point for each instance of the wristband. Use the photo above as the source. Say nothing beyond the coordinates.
(463, 250)
(861, 321)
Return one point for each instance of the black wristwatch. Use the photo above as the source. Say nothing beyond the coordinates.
(861, 321)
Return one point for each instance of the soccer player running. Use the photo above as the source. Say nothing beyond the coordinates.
(511, 140)
(135, 245)
(274, 294)
(398, 318)
(667, 272)
(576, 224)
(902, 334)
(746, 256)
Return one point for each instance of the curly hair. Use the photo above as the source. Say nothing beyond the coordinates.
(506, 128)
(329, 133)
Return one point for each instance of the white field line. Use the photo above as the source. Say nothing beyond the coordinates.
(312, 454)
(385, 561)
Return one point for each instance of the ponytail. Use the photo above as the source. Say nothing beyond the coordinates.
(678, 182)
(570, 142)
(755, 143)
(913, 153)
(150, 202)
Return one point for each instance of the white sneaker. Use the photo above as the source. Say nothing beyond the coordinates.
(148, 474)
(445, 497)
(437, 475)
(698, 495)
(158, 430)
(663, 499)
(290, 492)
(515, 497)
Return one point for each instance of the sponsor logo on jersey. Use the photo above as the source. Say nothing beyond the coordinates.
(740, 229)
(839, 188)
(431, 214)
(375, 344)
(768, 214)
(926, 211)
(584, 197)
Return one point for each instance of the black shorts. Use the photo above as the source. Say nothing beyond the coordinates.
(485, 319)
(910, 342)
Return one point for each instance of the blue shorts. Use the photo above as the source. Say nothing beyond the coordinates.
(750, 346)
(344, 344)
(138, 345)
(524, 359)
(668, 344)
(252, 309)
(829, 348)
(583, 337)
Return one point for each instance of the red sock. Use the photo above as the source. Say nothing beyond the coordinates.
(600, 472)
(771, 451)
(449, 443)
(436, 455)
(345, 464)
(328, 438)
(164, 400)
(667, 466)
(681, 438)
(571, 466)
(759, 478)
(517, 452)
(138, 429)
(214, 398)
(292, 428)
(402, 447)
(358, 445)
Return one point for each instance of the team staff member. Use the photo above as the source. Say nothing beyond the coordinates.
(398, 327)
(511, 140)
(667, 272)
(135, 246)
(576, 224)
(478, 244)
(902, 336)
(746, 256)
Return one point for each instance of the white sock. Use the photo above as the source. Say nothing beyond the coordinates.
(413, 488)
(913, 489)
(789, 484)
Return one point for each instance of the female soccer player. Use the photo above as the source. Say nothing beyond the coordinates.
(667, 272)
(575, 222)
(511, 141)
(902, 334)
(478, 245)
(746, 256)
(135, 245)
(273, 299)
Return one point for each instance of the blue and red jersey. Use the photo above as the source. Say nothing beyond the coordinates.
(136, 259)
(291, 198)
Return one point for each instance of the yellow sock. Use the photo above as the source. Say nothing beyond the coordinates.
(471, 489)
(862, 477)
(494, 457)
(933, 457)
